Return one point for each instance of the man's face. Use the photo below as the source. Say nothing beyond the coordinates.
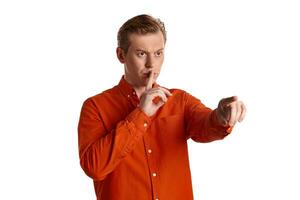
(145, 53)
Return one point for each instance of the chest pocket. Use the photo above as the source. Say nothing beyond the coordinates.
(170, 128)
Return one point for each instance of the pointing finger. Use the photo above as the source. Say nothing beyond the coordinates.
(229, 100)
(243, 112)
(238, 110)
(232, 115)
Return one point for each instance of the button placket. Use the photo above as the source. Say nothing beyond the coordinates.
(151, 163)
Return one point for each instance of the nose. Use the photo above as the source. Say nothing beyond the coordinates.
(150, 62)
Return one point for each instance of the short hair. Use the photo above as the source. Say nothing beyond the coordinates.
(140, 24)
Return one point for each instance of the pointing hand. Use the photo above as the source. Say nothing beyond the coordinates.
(230, 110)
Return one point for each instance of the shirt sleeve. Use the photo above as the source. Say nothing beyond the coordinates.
(202, 123)
(100, 150)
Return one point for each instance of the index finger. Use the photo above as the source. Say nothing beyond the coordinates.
(229, 100)
(150, 81)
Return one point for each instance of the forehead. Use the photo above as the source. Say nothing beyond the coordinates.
(149, 41)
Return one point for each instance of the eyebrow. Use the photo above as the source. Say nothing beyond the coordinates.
(147, 51)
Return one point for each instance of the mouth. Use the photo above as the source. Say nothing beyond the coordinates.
(147, 75)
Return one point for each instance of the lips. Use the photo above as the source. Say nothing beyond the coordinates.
(147, 74)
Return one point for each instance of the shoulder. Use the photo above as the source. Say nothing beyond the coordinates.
(183, 96)
(106, 94)
(102, 97)
(178, 93)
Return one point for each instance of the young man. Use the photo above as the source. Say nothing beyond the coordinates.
(133, 137)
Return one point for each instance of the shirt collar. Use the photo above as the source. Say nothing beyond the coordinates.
(126, 89)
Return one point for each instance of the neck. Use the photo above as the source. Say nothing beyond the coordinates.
(139, 90)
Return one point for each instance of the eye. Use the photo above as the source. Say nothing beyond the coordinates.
(158, 54)
(141, 54)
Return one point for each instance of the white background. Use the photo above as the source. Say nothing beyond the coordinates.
(55, 54)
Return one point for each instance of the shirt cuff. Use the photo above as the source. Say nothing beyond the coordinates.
(226, 129)
(139, 119)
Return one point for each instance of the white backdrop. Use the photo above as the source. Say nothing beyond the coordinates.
(55, 54)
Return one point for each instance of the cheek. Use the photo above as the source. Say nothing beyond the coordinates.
(160, 62)
(136, 64)
(138, 61)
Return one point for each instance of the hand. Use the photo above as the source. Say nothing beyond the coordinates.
(230, 110)
(153, 98)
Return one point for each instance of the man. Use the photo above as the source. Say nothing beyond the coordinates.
(133, 137)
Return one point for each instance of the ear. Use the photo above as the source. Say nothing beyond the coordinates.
(120, 54)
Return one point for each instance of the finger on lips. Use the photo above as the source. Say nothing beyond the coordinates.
(150, 81)
(160, 94)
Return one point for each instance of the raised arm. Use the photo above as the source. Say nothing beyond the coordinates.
(205, 124)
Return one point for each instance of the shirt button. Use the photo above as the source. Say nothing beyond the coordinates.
(145, 125)
(149, 151)
(154, 174)
(128, 96)
(156, 199)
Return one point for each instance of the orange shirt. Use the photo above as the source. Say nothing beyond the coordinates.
(132, 156)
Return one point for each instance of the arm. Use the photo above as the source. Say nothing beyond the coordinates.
(202, 122)
(101, 150)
